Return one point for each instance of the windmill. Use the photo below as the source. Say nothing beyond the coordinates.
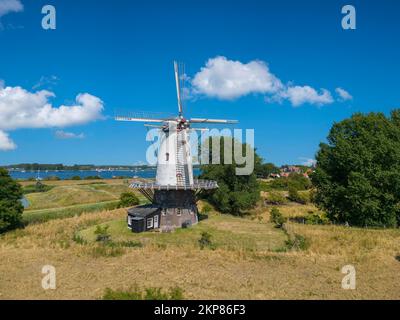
(173, 193)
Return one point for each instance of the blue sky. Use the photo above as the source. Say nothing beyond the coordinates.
(122, 51)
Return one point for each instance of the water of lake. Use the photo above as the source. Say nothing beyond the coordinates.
(68, 174)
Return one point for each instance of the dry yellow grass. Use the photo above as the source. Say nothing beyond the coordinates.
(202, 274)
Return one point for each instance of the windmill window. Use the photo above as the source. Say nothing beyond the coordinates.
(164, 212)
(150, 223)
(179, 211)
(167, 156)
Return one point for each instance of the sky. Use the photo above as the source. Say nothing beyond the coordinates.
(286, 69)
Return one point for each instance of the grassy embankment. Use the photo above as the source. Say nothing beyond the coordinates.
(248, 258)
(68, 198)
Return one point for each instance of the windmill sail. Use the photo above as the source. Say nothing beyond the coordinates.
(143, 116)
(178, 87)
(222, 121)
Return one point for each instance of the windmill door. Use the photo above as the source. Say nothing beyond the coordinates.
(156, 221)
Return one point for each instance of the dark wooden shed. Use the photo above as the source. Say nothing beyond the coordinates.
(144, 218)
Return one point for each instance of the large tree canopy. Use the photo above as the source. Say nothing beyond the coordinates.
(236, 193)
(358, 171)
(10, 206)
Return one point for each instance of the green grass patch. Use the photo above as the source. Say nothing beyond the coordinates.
(34, 188)
(40, 216)
(225, 231)
(74, 194)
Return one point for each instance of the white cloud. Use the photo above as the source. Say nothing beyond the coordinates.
(47, 81)
(21, 109)
(8, 6)
(299, 95)
(60, 134)
(6, 143)
(343, 94)
(228, 79)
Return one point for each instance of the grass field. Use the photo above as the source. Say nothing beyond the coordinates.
(69, 195)
(68, 198)
(249, 258)
(43, 215)
(227, 232)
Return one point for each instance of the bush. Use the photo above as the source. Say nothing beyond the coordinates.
(128, 199)
(294, 180)
(299, 182)
(294, 195)
(305, 197)
(357, 176)
(316, 218)
(38, 187)
(78, 238)
(275, 198)
(297, 242)
(302, 197)
(205, 240)
(206, 209)
(76, 178)
(10, 205)
(102, 234)
(277, 218)
(174, 293)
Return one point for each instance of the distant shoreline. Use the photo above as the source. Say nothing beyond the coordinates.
(145, 173)
(77, 167)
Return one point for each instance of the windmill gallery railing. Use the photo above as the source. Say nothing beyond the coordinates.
(147, 188)
(197, 184)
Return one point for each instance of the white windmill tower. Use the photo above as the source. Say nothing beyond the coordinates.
(173, 194)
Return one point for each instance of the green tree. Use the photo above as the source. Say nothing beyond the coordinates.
(358, 171)
(128, 199)
(236, 193)
(10, 206)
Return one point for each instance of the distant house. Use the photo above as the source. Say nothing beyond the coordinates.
(290, 169)
(274, 175)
